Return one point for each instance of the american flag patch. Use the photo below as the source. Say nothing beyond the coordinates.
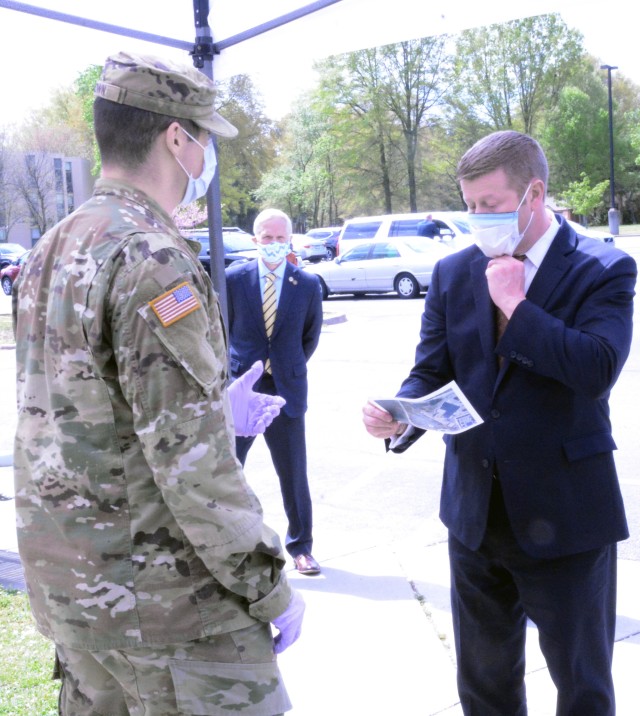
(175, 304)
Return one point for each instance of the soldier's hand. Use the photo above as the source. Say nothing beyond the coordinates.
(252, 412)
(289, 623)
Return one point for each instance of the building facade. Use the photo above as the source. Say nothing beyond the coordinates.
(37, 190)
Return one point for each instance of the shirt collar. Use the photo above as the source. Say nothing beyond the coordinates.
(278, 271)
(539, 250)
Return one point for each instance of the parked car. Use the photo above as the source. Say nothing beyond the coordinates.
(9, 273)
(453, 226)
(605, 236)
(403, 265)
(238, 246)
(308, 247)
(10, 252)
(329, 235)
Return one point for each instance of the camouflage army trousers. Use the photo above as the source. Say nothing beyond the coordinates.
(231, 673)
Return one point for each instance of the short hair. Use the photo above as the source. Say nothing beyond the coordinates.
(267, 214)
(519, 155)
(126, 134)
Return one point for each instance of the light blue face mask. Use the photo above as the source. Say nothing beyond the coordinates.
(497, 234)
(197, 187)
(273, 253)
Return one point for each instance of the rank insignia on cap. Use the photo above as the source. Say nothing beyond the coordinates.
(175, 304)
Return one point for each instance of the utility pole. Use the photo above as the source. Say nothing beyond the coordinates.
(614, 216)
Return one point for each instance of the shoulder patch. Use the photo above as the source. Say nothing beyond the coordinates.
(175, 304)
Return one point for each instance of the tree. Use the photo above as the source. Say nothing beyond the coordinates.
(243, 161)
(391, 92)
(582, 198)
(10, 205)
(35, 184)
(509, 73)
(418, 74)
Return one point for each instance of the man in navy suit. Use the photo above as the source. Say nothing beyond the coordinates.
(428, 228)
(534, 323)
(294, 335)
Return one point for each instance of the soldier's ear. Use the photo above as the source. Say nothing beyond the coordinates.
(174, 138)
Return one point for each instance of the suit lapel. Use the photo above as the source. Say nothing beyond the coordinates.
(253, 295)
(553, 269)
(485, 320)
(287, 294)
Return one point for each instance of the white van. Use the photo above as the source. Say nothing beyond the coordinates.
(453, 226)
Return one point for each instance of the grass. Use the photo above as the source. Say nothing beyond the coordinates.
(6, 334)
(26, 661)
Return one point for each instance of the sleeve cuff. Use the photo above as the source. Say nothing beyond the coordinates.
(273, 604)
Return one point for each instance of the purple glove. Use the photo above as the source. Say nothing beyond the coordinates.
(252, 412)
(289, 623)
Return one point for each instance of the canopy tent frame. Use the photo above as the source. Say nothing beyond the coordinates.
(202, 50)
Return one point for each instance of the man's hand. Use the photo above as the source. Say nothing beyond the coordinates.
(252, 412)
(505, 277)
(379, 423)
(289, 623)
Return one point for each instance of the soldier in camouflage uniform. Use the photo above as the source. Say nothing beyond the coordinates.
(145, 555)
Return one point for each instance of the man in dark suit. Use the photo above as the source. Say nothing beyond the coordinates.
(428, 227)
(531, 496)
(283, 332)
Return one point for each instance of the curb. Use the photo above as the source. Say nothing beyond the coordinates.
(329, 319)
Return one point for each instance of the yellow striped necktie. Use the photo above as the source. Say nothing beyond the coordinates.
(269, 310)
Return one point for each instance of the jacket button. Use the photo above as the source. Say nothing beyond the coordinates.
(486, 463)
(495, 413)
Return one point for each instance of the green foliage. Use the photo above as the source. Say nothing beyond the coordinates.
(84, 90)
(6, 331)
(575, 136)
(509, 73)
(582, 198)
(244, 160)
(385, 127)
(26, 662)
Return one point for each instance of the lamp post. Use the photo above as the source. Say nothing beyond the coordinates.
(614, 217)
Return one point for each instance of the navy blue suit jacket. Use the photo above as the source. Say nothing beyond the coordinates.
(547, 433)
(296, 331)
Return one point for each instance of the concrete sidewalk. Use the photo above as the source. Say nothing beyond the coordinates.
(377, 637)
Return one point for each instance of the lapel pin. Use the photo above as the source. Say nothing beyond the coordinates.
(293, 281)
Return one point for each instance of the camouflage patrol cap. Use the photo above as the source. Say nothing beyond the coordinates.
(164, 87)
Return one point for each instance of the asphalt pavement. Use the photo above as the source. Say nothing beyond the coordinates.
(377, 636)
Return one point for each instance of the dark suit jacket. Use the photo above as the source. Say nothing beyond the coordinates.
(296, 331)
(547, 433)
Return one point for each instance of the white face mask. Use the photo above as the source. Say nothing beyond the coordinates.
(497, 234)
(197, 187)
(274, 252)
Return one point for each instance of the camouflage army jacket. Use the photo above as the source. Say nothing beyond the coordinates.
(135, 523)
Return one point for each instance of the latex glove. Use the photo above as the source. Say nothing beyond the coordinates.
(289, 623)
(252, 412)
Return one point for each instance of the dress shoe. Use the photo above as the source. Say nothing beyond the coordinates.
(306, 564)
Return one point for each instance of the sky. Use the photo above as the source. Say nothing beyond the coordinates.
(38, 55)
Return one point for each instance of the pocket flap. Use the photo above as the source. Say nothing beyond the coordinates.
(579, 448)
(209, 688)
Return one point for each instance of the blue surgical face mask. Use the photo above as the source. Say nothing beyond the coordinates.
(273, 253)
(197, 187)
(498, 234)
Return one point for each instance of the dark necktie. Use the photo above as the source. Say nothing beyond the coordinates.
(501, 319)
(269, 310)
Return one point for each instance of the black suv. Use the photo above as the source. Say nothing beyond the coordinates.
(238, 246)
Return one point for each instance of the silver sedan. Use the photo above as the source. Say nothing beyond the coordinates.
(402, 265)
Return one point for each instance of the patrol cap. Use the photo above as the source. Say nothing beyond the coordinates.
(164, 87)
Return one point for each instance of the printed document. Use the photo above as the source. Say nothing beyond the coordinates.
(446, 410)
